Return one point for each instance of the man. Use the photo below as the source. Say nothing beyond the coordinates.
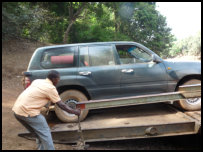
(30, 101)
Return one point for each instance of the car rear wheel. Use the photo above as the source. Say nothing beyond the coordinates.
(190, 104)
(69, 97)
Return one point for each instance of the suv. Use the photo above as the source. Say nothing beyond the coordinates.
(90, 71)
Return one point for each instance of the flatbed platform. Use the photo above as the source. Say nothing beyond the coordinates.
(131, 122)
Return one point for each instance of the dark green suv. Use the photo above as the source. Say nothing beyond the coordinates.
(108, 70)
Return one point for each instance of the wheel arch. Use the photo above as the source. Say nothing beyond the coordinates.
(186, 78)
(82, 89)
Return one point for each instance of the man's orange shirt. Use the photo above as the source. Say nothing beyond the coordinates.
(36, 96)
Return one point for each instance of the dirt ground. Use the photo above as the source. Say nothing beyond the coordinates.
(15, 58)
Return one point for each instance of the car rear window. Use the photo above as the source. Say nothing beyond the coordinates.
(64, 57)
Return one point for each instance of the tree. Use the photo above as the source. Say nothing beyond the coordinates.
(72, 22)
(14, 17)
(73, 16)
(189, 46)
(97, 25)
(66, 12)
(141, 22)
(147, 26)
(115, 9)
(23, 20)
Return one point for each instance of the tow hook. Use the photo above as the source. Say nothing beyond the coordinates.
(81, 145)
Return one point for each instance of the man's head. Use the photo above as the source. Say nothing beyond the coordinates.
(54, 76)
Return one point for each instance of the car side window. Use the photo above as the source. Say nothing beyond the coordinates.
(130, 54)
(84, 56)
(101, 55)
(64, 57)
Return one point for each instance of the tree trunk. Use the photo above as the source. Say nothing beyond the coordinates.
(72, 18)
(65, 40)
(116, 20)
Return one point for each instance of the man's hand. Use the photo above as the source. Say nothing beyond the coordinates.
(77, 112)
(68, 109)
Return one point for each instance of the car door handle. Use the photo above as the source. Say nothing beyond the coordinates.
(85, 73)
(127, 70)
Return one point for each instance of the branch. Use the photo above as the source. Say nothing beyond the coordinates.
(72, 20)
(79, 11)
(70, 10)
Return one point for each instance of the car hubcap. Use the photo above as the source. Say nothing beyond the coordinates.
(71, 103)
(193, 101)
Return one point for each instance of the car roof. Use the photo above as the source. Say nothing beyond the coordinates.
(90, 43)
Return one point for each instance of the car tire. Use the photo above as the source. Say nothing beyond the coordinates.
(75, 96)
(190, 104)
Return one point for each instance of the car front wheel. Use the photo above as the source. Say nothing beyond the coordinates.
(190, 104)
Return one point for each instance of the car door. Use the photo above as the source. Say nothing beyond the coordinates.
(98, 71)
(139, 74)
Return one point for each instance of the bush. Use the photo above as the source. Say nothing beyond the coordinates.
(190, 46)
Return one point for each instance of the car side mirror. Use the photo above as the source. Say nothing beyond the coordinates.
(156, 59)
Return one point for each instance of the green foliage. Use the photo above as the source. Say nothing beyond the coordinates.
(14, 17)
(148, 27)
(23, 19)
(190, 46)
(96, 21)
(97, 28)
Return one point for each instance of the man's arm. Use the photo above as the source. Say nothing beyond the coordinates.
(63, 106)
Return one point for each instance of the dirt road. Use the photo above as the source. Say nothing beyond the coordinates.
(15, 58)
